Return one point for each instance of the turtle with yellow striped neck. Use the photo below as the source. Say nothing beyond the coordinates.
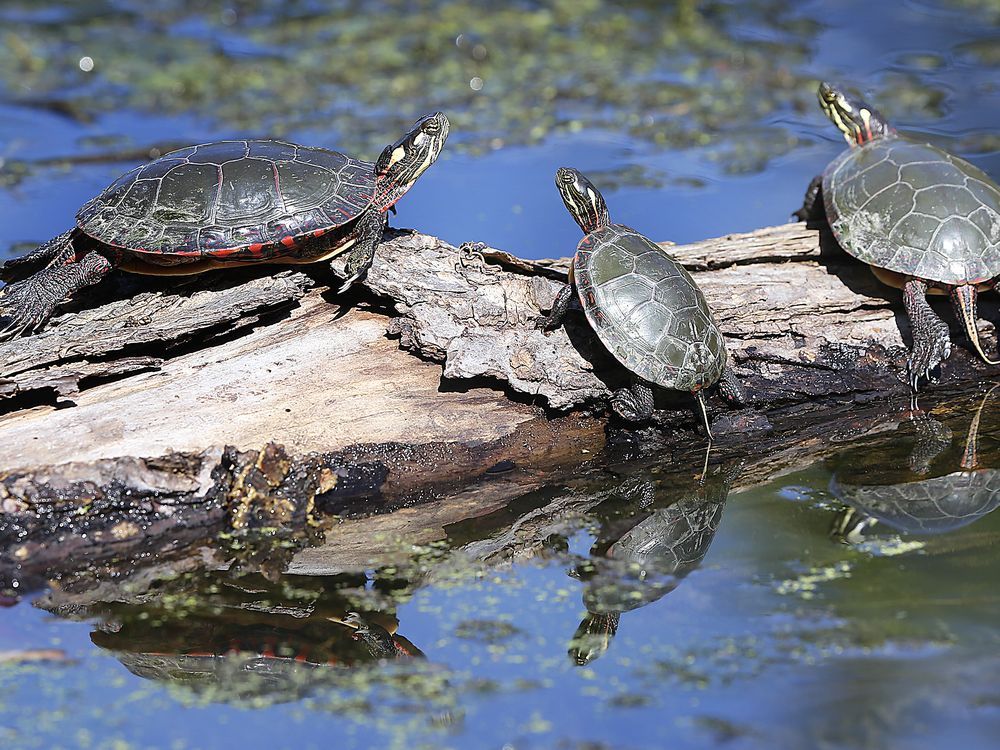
(926, 221)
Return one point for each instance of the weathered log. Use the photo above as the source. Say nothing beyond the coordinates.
(517, 514)
(160, 373)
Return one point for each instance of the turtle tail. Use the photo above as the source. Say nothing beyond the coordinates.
(964, 299)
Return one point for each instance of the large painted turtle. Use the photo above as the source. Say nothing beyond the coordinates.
(220, 205)
(644, 306)
(925, 221)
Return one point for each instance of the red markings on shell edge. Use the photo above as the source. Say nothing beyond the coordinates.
(288, 241)
(318, 232)
(256, 247)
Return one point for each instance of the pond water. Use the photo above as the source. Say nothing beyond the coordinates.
(641, 604)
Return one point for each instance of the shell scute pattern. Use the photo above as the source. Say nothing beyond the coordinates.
(647, 310)
(915, 209)
(230, 199)
(929, 506)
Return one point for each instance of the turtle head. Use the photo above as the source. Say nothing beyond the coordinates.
(402, 162)
(857, 120)
(582, 200)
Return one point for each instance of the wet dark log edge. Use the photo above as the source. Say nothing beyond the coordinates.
(811, 333)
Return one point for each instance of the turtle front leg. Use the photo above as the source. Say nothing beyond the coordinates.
(558, 311)
(812, 206)
(731, 389)
(370, 227)
(26, 305)
(931, 344)
(634, 404)
(56, 252)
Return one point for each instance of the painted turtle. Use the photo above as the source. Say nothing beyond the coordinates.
(644, 306)
(220, 205)
(925, 221)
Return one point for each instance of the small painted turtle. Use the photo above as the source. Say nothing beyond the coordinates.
(644, 306)
(925, 221)
(221, 205)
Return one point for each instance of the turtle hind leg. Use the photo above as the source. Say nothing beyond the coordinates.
(931, 344)
(964, 300)
(370, 227)
(731, 389)
(634, 404)
(812, 206)
(56, 252)
(26, 305)
(558, 311)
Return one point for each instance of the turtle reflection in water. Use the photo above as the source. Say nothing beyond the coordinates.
(245, 638)
(962, 490)
(649, 541)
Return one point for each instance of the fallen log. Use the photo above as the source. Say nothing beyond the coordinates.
(519, 514)
(427, 377)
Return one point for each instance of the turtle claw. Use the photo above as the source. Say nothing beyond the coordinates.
(928, 353)
(347, 284)
(543, 324)
(12, 330)
(355, 268)
(21, 312)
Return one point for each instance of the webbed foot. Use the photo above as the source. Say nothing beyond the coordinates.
(57, 251)
(371, 224)
(23, 309)
(931, 347)
(634, 404)
(25, 306)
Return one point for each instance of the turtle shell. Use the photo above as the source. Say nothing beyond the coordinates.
(231, 199)
(915, 209)
(929, 506)
(647, 310)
